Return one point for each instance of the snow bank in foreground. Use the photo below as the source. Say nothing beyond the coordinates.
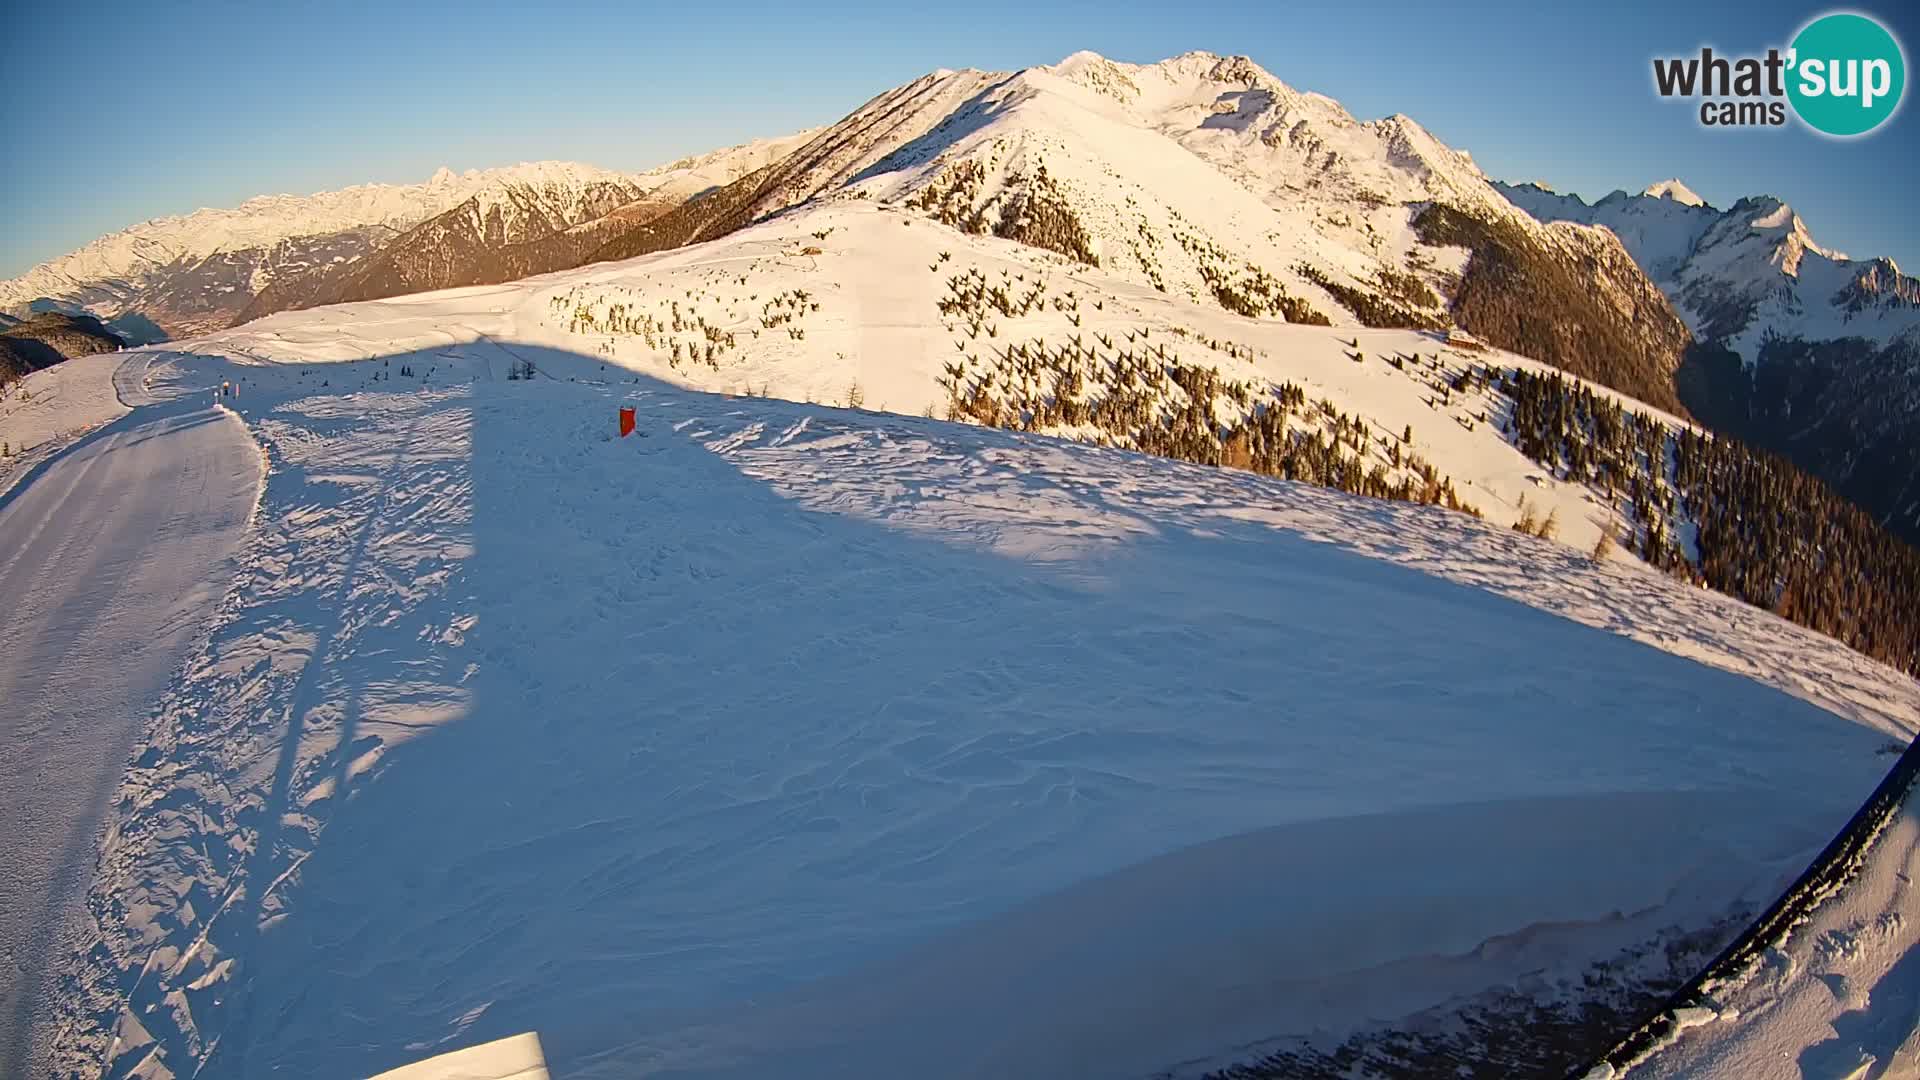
(999, 752)
(1839, 997)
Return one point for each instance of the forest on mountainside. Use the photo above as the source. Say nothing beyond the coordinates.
(1715, 511)
(1527, 297)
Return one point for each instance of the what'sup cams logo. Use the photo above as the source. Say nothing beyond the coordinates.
(1844, 75)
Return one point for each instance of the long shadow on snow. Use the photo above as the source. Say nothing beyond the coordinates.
(718, 745)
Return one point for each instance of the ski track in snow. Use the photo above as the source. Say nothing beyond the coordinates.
(675, 748)
(118, 549)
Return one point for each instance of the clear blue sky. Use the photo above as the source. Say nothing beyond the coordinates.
(124, 111)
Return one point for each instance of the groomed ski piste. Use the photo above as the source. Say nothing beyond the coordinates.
(788, 738)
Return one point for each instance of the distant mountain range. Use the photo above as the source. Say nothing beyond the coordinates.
(180, 276)
(1282, 206)
(1286, 206)
(1800, 349)
(1746, 275)
(553, 219)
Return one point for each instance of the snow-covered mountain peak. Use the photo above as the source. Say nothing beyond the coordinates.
(1448, 171)
(1099, 74)
(1195, 64)
(1769, 212)
(1194, 80)
(1745, 275)
(1237, 71)
(531, 200)
(1199, 176)
(1673, 190)
(697, 173)
(1766, 220)
(1083, 62)
(1275, 140)
(543, 173)
(1879, 283)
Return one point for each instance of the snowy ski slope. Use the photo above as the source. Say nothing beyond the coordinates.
(784, 737)
(112, 560)
(873, 279)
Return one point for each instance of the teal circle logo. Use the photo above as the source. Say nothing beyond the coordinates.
(1848, 74)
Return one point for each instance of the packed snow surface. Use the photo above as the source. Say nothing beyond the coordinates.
(788, 739)
(51, 408)
(111, 561)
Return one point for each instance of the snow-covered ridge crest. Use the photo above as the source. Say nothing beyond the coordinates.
(1260, 179)
(695, 172)
(1187, 69)
(1233, 93)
